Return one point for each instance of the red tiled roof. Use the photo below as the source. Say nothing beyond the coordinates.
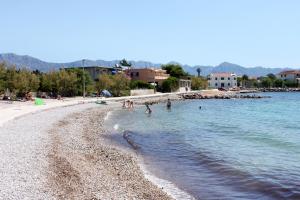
(290, 72)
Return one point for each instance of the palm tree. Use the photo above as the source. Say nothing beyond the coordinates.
(125, 63)
(198, 71)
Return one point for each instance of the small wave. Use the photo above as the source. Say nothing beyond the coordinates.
(127, 137)
(107, 115)
(167, 186)
(116, 126)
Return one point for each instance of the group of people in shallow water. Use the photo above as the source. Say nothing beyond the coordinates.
(129, 104)
(148, 109)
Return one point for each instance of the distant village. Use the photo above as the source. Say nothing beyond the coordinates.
(124, 80)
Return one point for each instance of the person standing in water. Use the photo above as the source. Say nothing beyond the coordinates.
(148, 110)
(169, 104)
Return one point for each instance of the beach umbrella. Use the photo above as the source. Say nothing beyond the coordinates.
(38, 101)
(106, 93)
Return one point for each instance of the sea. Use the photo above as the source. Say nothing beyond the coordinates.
(220, 148)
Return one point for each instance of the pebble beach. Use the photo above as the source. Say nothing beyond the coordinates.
(63, 153)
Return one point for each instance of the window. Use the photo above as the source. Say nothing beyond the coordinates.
(216, 78)
(229, 78)
(131, 74)
(216, 84)
(208, 78)
(137, 74)
(234, 78)
(228, 84)
(222, 78)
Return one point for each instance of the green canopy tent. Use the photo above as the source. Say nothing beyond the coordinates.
(38, 102)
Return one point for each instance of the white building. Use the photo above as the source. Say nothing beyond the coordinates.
(184, 85)
(222, 80)
(290, 75)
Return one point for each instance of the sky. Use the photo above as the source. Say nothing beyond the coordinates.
(195, 32)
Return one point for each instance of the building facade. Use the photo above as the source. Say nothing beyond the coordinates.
(148, 75)
(290, 75)
(96, 71)
(222, 80)
(184, 85)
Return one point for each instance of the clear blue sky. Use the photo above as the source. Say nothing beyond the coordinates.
(207, 32)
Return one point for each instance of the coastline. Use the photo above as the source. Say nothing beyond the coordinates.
(64, 151)
(71, 158)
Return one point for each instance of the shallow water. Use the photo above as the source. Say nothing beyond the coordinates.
(229, 149)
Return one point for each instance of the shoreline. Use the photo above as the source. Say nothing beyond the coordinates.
(45, 144)
(111, 167)
(71, 158)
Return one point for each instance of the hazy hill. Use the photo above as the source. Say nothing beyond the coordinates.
(34, 63)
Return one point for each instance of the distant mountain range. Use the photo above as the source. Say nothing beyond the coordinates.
(33, 63)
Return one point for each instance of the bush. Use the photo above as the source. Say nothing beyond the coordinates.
(199, 83)
(170, 85)
(137, 84)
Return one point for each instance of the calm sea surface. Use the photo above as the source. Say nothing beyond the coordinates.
(229, 149)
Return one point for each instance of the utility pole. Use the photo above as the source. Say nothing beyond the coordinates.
(83, 78)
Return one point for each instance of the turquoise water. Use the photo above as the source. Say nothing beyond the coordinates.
(229, 149)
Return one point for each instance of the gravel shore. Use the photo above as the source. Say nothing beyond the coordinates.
(64, 153)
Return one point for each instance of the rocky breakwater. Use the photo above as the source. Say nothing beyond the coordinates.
(221, 96)
(279, 89)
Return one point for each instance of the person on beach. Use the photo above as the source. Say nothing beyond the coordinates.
(128, 104)
(168, 104)
(131, 104)
(124, 104)
(148, 110)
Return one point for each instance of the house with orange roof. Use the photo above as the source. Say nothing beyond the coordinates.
(289, 75)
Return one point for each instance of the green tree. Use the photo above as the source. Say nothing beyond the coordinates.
(26, 81)
(82, 76)
(289, 83)
(117, 84)
(10, 79)
(105, 82)
(125, 63)
(198, 83)
(137, 84)
(170, 85)
(266, 82)
(175, 70)
(272, 76)
(278, 83)
(245, 77)
(67, 83)
(199, 71)
(2, 77)
(120, 85)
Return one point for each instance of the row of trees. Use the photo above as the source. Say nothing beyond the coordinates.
(264, 82)
(67, 83)
(19, 82)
